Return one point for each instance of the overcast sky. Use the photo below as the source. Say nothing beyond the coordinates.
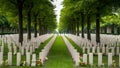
(59, 6)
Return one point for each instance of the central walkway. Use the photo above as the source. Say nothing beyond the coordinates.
(59, 56)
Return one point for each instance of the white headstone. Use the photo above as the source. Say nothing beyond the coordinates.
(88, 50)
(117, 51)
(15, 49)
(109, 59)
(85, 58)
(31, 50)
(9, 48)
(91, 59)
(99, 59)
(113, 53)
(93, 49)
(1, 58)
(27, 49)
(33, 60)
(77, 59)
(22, 50)
(27, 58)
(98, 49)
(83, 49)
(18, 59)
(119, 60)
(103, 49)
(41, 56)
(2, 49)
(107, 50)
(9, 58)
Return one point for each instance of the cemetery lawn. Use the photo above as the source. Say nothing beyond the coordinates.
(59, 56)
(95, 57)
(23, 57)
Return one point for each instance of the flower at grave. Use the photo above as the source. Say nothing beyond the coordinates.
(22, 63)
(81, 58)
(46, 58)
(5, 63)
(81, 61)
(103, 64)
(39, 62)
(1, 62)
(114, 63)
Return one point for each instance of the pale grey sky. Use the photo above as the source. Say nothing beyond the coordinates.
(59, 6)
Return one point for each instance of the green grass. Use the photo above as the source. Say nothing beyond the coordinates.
(24, 56)
(59, 56)
(95, 60)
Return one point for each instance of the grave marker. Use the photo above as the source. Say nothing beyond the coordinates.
(33, 60)
(9, 58)
(18, 59)
(27, 58)
(1, 58)
(109, 59)
(85, 58)
(99, 59)
(91, 59)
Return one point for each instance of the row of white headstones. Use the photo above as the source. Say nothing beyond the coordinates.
(42, 54)
(97, 48)
(72, 50)
(46, 49)
(109, 40)
(86, 44)
(12, 42)
(100, 62)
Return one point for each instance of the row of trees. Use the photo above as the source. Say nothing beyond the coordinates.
(36, 14)
(88, 14)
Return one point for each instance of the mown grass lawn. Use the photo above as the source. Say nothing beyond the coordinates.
(59, 56)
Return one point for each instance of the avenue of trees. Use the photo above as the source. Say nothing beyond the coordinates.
(84, 15)
(32, 15)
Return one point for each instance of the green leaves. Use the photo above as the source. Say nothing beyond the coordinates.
(74, 8)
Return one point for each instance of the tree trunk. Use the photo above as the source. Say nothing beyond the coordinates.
(77, 28)
(72, 25)
(112, 30)
(29, 25)
(88, 27)
(2, 28)
(35, 26)
(74, 29)
(118, 30)
(82, 15)
(40, 29)
(46, 29)
(20, 22)
(98, 26)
